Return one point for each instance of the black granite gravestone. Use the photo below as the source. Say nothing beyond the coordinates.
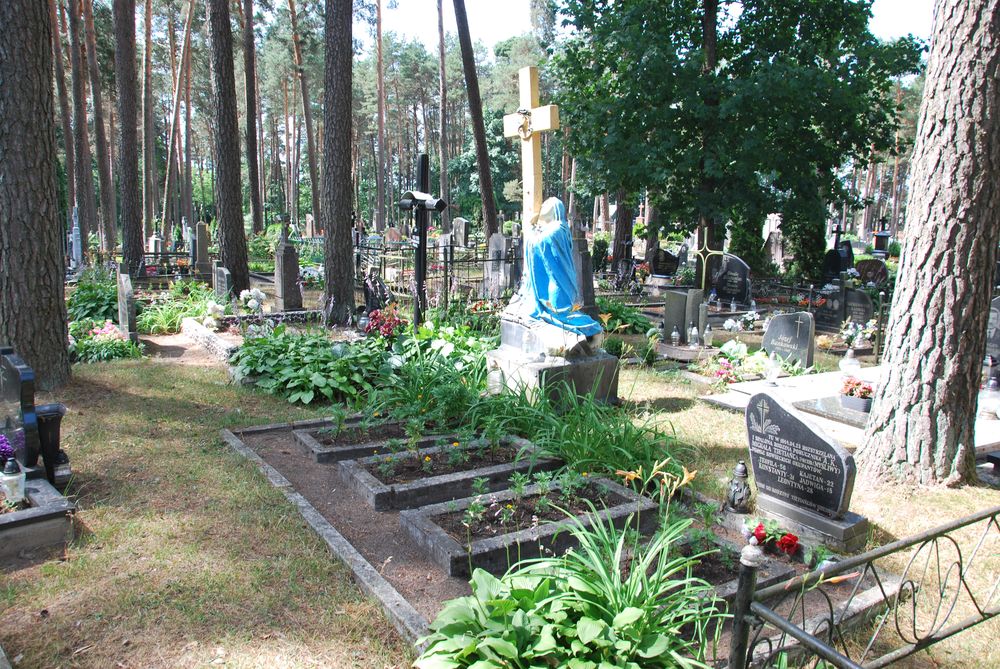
(859, 306)
(730, 278)
(663, 263)
(846, 251)
(801, 474)
(682, 257)
(829, 310)
(791, 337)
(872, 270)
(18, 421)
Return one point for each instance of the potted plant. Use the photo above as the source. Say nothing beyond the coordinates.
(857, 395)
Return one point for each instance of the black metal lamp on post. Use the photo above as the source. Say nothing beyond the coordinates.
(421, 204)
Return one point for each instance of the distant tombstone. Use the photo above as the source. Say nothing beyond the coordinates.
(791, 337)
(155, 244)
(731, 279)
(444, 244)
(831, 264)
(846, 251)
(126, 305)
(203, 236)
(773, 249)
(881, 244)
(680, 309)
(393, 235)
(801, 474)
(872, 270)
(859, 306)
(497, 272)
(993, 330)
(682, 256)
(515, 230)
(192, 246)
(460, 231)
(830, 312)
(288, 294)
(310, 226)
(223, 283)
(18, 421)
(663, 263)
(76, 241)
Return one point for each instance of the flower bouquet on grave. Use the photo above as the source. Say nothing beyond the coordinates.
(857, 395)
(769, 535)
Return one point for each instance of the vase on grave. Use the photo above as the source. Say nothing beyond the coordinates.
(862, 404)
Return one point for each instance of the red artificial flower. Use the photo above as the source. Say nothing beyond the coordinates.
(788, 544)
(760, 533)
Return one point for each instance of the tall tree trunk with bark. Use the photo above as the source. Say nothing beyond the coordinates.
(707, 184)
(250, 76)
(443, 121)
(86, 208)
(149, 192)
(621, 248)
(32, 306)
(923, 421)
(128, 154)
(232, 238)
(380, 167)
(67, 127)
(478, 126)
(108, 217)
(337, 263)
(314, 185)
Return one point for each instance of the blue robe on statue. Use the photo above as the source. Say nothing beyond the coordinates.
(548, 289)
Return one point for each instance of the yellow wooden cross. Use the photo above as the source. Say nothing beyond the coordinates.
(527, 123)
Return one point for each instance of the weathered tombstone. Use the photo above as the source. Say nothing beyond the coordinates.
(846, 251)
(203, 236)
(223, 283)
(803, 478)
(515, 230)
(76, 241)
(192, 246)
(682, 256)
(460, 231)
(663, 263)
(126, 305)
(858, 306)
(288, 294)
(154, 244)
(680, 309)
(497, 274)
(444, 244)
(731, 279)
(773, 249)
(791, 337)
(993, 330)
(872, 270)
(18, 421)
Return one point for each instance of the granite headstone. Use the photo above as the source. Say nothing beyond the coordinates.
(872, 270)
(791, 337)
(859, 306)
(223, 283)
(730, 279)
(126, 305)
(663, 263)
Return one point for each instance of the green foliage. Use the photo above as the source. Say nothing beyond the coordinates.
(186, 298)
(306, 367)
(615, 346)
(600, 254)
(622, 318)
(95, 297)
(99, 341)
(611, 602)
(802, 88)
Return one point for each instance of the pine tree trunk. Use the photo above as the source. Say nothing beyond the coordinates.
(149, 192)
(128, 152)
(188, 199)
(922, 424)
(232, 238)
(622, 246)
(32, 310)
(108, 217)
(64, 113)
(337, 264)
(314, 185)
(478, 126)
(170, 199)
(250, 78)
(443, 122)
(380, 167)
(86, 208)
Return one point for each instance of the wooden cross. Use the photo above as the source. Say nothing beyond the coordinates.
(527, 123)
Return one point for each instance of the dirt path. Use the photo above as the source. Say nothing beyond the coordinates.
(177, 349)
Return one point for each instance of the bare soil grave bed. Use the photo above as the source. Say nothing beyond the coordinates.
(328, 442)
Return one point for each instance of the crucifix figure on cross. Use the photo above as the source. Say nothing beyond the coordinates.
(527, 123)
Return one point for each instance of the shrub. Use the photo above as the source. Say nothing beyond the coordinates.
(621, 318)
(184, 299)
(91, 341)
(611, 602)
(95, 296)
(614, 346)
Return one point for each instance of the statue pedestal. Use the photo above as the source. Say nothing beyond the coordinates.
(540, 356)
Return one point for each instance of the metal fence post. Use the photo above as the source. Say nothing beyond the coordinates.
(751, 558)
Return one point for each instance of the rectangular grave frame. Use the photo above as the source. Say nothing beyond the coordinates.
(493, 554)
(47, 522)
(323, 454)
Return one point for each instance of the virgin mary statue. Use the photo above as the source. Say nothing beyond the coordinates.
(549, 291)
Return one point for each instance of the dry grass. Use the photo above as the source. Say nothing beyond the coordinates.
(188, 557)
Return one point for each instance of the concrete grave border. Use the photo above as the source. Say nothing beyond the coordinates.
(493, 554)
(47, 522)
(403, 616)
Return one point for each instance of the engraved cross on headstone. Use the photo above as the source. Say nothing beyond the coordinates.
(527, 123)
(798, 325)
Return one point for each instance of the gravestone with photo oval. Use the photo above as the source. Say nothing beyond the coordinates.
(873, 271)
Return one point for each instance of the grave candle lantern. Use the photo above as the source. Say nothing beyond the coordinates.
(12, 481)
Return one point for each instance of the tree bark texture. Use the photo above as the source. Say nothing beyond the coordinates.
(478, 126)
(148, 128)
(314, 185)
(109, 236)
(250, 72)
(338, 263)
(380, 174)
(621, 248)
(86, 208)
(67, 126)
(232, 238)
(173, 153)
(128, 154)
(922, 424)
(443, 121)
(32, 309)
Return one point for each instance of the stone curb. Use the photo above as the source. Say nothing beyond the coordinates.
(207, 339)
(407, 621)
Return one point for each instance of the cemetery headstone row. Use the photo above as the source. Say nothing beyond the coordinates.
(791, 337)
(730, 278)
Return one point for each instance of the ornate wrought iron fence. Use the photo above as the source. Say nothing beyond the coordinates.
(874, 609)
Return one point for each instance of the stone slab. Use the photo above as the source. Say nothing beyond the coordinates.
(686, 353)
(848, 534)
(597, 374)
(831, 408)
(47, 522)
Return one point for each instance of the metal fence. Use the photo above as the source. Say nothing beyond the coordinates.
(874, 609)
